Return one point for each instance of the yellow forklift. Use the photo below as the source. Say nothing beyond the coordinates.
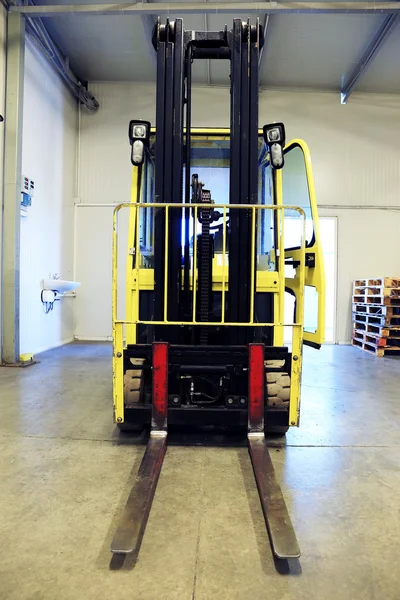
(223, 241)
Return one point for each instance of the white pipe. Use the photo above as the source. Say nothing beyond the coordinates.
(358, 207)
(78, 158)
(97, 204)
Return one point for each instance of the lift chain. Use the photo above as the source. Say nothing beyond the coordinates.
(205, 263)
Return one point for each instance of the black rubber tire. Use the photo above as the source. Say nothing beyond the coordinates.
(277, 431)
(130, 427)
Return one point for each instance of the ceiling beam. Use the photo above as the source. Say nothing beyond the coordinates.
(179, 8)
(369, 54)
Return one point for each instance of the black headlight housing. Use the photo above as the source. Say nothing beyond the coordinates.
(275, 137)
(139, 135)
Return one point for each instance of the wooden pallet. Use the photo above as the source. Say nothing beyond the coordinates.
(384, 332)
(374, 338)
(378, 299)
(387, 282)
(379, 320)
(374, 309)
(376, 350)
(376, 290)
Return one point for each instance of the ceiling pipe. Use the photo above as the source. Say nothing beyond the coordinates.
(371, 51)
(39, 34)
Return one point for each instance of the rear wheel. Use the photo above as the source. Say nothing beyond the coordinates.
(278, 394)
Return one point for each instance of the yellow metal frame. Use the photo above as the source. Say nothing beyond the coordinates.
(207, 132)
(314, 277)
(136, 192)
(223, 271)
(268, 280)
(124, 331)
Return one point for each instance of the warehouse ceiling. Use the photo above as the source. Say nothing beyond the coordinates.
(311, 51)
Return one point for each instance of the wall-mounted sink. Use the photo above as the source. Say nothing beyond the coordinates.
(60, 285)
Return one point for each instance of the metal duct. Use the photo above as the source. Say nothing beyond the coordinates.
(39, 34)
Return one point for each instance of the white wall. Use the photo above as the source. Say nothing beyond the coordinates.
(356, 159)
(93, 268)
(47, 233)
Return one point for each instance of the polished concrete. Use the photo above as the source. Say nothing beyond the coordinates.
(66, 472)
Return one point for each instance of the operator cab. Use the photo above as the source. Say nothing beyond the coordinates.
(210, 162)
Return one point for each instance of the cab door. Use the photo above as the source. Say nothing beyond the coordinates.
(298, 190)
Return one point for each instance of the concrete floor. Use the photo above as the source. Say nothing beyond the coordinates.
(65, 475)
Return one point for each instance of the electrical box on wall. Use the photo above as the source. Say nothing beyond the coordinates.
(27, 192)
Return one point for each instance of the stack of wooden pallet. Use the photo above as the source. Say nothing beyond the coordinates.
(376, 315)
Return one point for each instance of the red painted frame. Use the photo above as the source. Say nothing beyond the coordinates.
(256, 388)
(160, 386)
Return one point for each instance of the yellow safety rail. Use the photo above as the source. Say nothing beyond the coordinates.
(118, 324)
(136, 207)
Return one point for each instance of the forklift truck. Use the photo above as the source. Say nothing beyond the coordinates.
(219, 236)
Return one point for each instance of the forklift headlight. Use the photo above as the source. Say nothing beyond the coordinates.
(274, 133)
(276, 154)
(139, 131)
(139, 135)
(137, 152)
(274, 137)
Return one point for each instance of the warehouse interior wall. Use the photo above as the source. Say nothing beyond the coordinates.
(3, 34)
(50, 128)
(356, 161)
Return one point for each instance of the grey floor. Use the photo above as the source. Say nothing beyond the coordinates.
(65, 474)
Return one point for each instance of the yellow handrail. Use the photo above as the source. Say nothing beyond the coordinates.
(119, 325)
(167, 206)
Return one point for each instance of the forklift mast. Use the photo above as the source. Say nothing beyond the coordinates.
(176, 51)
(203, 343)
